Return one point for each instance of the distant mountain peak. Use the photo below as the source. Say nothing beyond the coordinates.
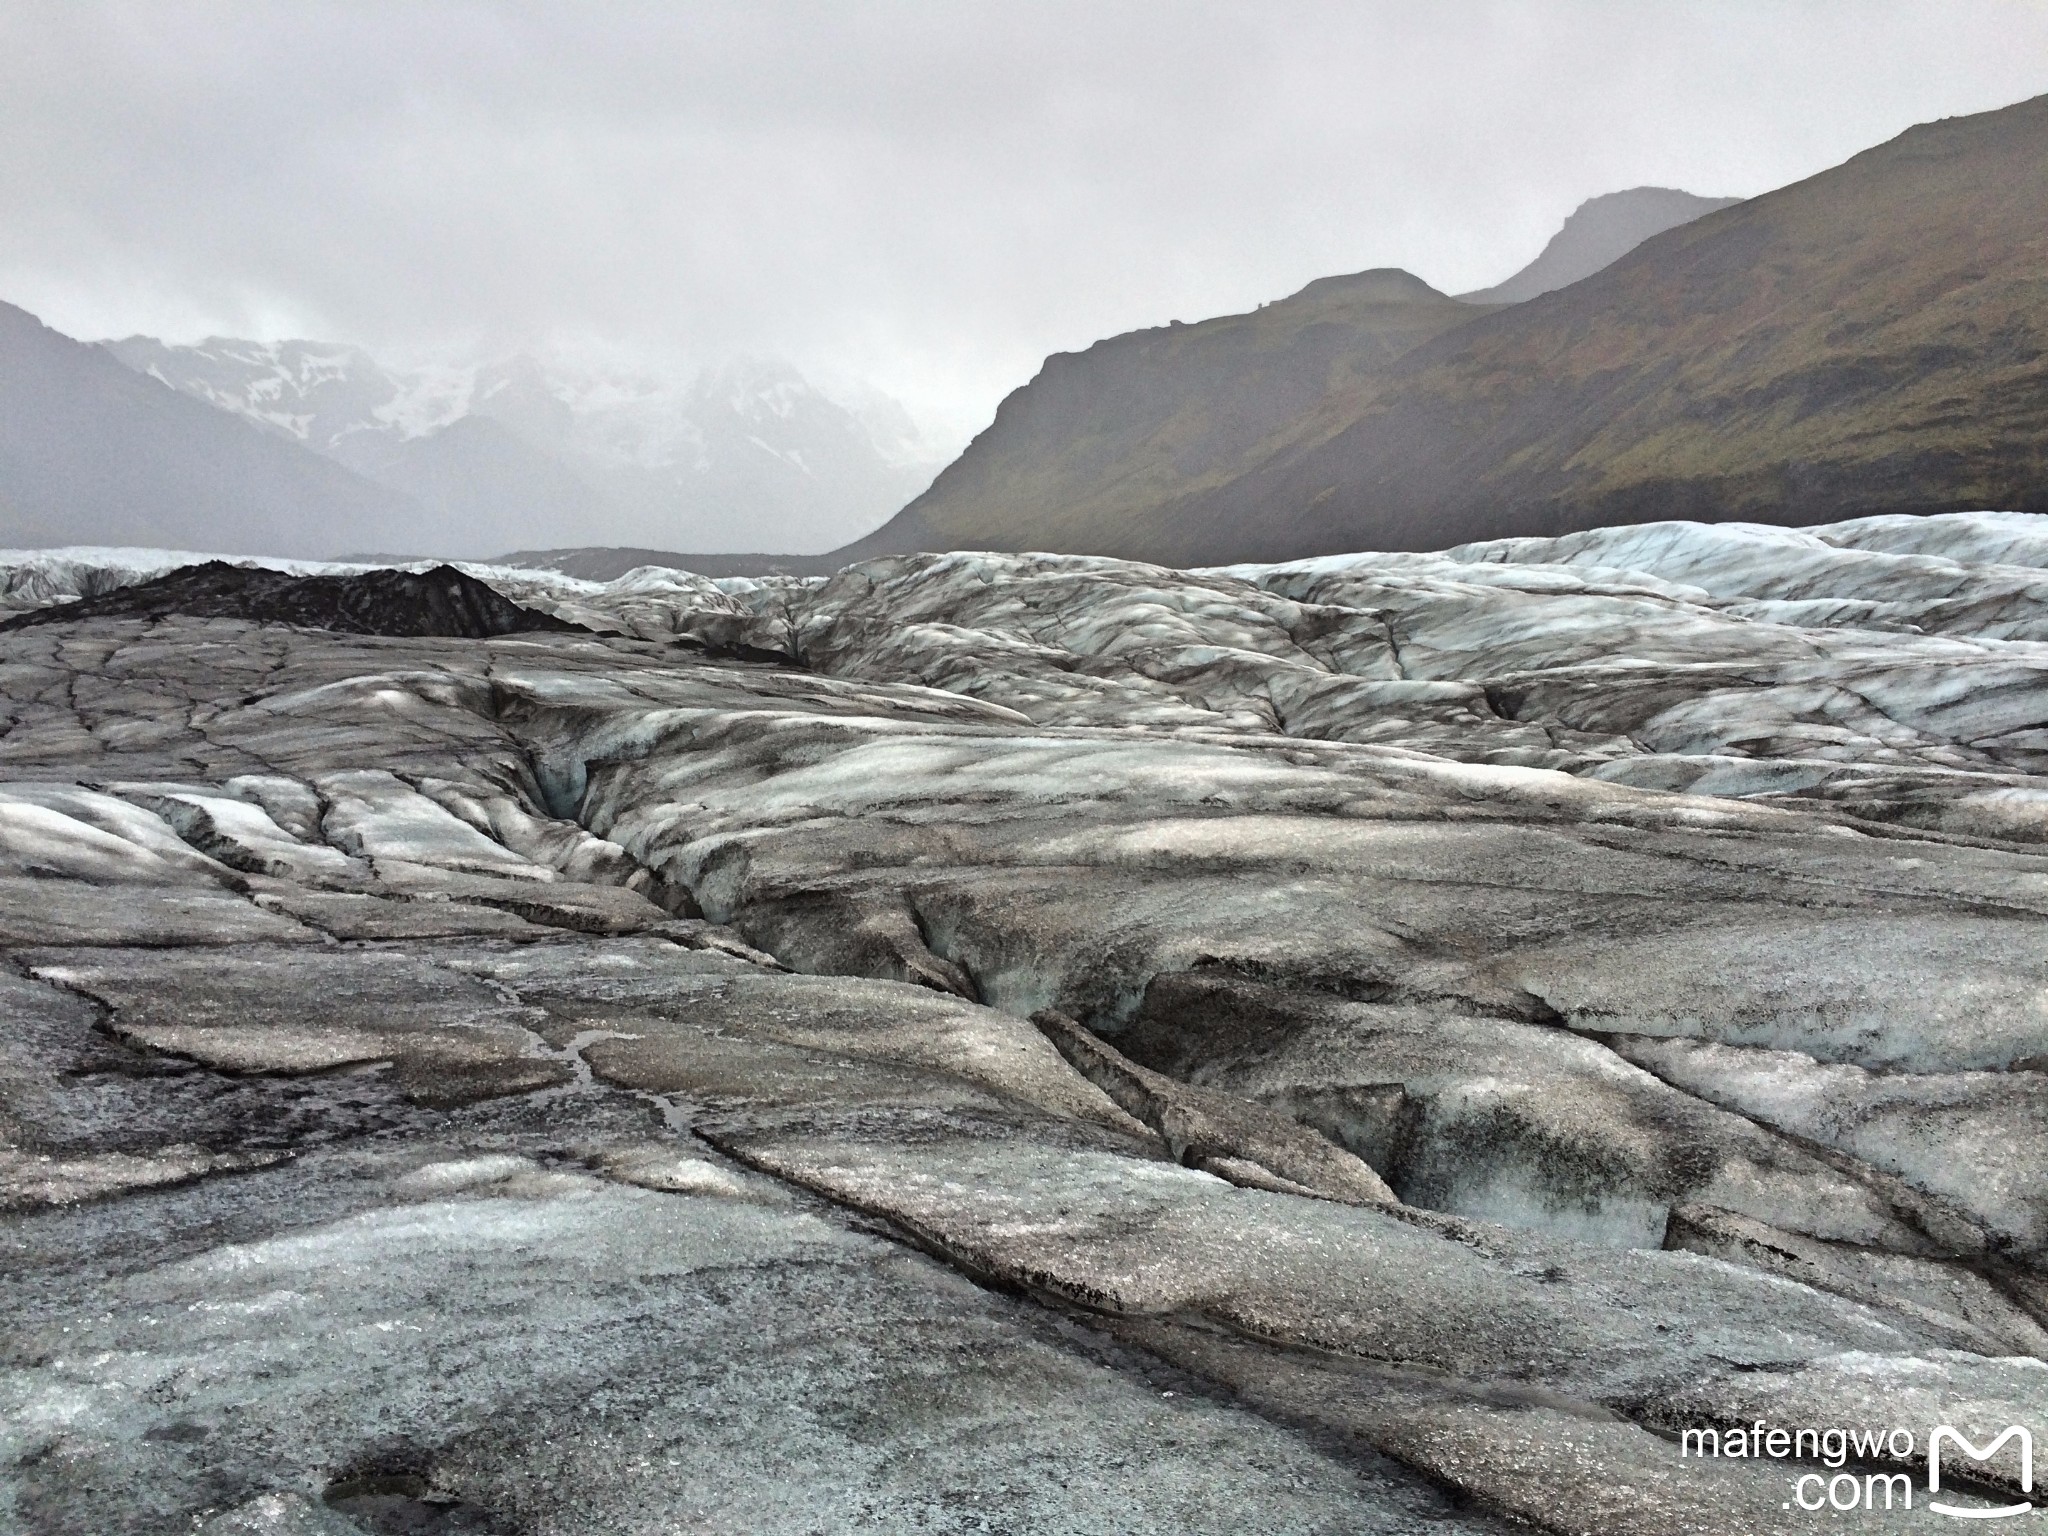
(307, 390)
(1376, 285)
(1599, 232)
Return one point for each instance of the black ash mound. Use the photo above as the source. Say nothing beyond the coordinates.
(441, 601)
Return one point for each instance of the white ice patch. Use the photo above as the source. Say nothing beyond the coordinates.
(375, 815)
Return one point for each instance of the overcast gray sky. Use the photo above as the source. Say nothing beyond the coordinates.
(930, 195)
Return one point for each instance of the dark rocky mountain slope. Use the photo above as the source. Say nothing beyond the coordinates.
(1870, 340)
(1152, 417)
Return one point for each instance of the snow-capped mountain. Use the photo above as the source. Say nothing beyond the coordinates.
(91, 452)
(522, 451)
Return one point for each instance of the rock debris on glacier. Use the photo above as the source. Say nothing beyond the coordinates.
(1026, 1042)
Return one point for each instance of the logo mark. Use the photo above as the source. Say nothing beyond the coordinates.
(1976, 1453)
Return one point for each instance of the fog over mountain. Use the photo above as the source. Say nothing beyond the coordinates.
(519, 450)
(91, 452)
(931, 197)
(1599, 233)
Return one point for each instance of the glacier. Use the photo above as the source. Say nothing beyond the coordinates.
(1019, 1041)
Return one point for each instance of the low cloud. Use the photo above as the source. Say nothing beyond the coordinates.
(930, 195)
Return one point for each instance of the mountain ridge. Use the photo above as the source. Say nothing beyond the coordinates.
(1152, 411)
(1870, 339)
